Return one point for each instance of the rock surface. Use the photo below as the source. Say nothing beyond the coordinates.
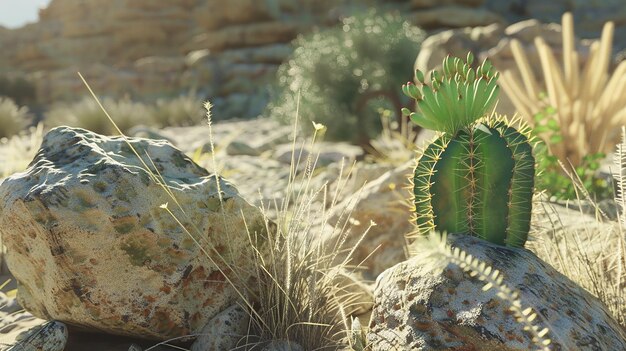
(386, 202)
(228, 51)
(416, 308)
(224, 331)
(51, 336)
(84, 225)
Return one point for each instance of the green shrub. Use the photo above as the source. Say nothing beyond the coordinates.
(552, 177)
(184, 110)
(344, 75)
(88, 115)
(13, 118)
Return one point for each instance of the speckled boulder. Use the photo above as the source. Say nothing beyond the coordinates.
(51, 336)
(224, 331)
(89, 244)
(416, 309)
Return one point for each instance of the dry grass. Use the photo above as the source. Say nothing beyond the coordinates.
(184, 110)
(396, 145)
(87, 114)
(592, 252)
(590, 103)
(301, 296)
(19, 150)
(13, 118)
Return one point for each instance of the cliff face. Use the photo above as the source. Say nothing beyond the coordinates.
(228, 51)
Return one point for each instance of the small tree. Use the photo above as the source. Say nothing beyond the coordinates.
(343, 75)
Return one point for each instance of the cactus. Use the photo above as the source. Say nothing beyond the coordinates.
(477, 176)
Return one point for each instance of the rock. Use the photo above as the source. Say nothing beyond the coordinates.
(245, 35)
(51, 336)
(325, 152)
(224, 331)
(253, 143)
(215, 14)
(421, 4)
(416, 308)
(386, 202)
(240, 105)
(8, 305)
(160, 65)
(454, 16)
(142, 131)
(272, 54)
(89, 244)
(457, 42)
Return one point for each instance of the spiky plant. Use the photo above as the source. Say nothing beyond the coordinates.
(589, 102)
(477, 177)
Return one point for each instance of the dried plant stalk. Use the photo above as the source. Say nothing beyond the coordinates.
(590, 103)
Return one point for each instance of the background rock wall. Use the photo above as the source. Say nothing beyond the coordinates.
(228, 51)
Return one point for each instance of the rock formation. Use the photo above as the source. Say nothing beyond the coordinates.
(416, 308)
(90, 246)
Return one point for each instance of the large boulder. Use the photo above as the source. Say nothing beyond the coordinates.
(417, 308)
(90, 245)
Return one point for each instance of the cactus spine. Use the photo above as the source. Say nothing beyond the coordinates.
(477, 177)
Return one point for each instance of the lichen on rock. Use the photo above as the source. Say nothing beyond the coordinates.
(90, 245)
(417, 308)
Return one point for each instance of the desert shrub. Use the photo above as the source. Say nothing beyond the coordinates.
(13, 118)
(87, 114)
(340, 77)
(18, 89)
(184, 110)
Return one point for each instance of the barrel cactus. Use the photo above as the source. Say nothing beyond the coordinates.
(477, 176)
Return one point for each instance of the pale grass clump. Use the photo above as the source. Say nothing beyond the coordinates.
(589, 104)
(592, 254)
(87, 114)
(435, 250)
(183, 110)
(13, 118)
(300, 296)
(19, 150)
(396, 144)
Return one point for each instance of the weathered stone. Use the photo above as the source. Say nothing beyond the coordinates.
(454, 16)
(417, 308)
(160, 65)
(89, 244)
(421, 4)
(254, 144)
(325, 152)
(215, 14)
(386, 202)
(51, 336)
(224, 331)
(245, 35)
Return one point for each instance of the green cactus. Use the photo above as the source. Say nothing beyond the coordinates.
(477, 176)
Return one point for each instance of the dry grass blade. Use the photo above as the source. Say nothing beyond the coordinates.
(590, 104)
(299, 296)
